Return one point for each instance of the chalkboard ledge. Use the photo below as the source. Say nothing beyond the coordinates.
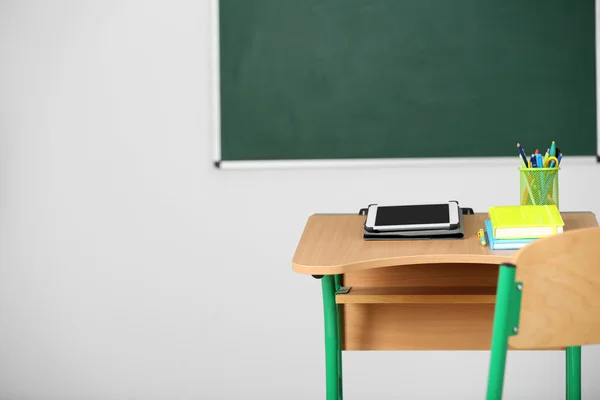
(499, 162)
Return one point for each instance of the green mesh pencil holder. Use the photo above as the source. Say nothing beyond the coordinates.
(539, 186)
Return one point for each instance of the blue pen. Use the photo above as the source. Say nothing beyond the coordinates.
(541, 176)
(559, 158)
(522, 153)
(534, 184)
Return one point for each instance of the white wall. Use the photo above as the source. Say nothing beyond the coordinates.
(112, 285)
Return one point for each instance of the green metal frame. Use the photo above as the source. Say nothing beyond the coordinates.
(506, 324)
(508, 306)
(330, 284)
(574, 373)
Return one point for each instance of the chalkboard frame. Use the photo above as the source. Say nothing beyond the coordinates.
(219, 163)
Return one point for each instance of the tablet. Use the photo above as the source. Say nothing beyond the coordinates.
(410, 217)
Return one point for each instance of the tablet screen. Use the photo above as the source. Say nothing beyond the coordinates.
(413, 215)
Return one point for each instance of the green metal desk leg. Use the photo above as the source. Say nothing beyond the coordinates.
(574, 373)
(339, 339)
(331, 337)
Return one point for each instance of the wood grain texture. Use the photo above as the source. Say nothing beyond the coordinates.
(446, 275)
(334, 244)
(419, 295)
(417, 326)
(561, 291)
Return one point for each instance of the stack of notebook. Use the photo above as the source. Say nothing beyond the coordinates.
(512, 227)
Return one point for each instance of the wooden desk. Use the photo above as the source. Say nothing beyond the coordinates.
(404, 295)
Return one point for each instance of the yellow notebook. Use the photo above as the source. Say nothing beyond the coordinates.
(524, 222)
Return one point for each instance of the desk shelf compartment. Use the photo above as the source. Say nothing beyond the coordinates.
(419, 307)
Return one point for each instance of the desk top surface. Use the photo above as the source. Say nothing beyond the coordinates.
(334, 244)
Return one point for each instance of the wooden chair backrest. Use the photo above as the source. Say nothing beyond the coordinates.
(560, 304)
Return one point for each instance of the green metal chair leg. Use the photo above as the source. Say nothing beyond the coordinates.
(332, 360)
(500, 333)
(339, 355)
(573, 373)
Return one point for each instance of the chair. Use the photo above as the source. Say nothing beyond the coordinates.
(548, 299)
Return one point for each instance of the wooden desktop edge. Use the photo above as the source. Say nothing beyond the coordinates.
(400, 261)
(497, 258)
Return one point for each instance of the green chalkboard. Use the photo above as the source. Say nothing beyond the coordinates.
(333, 79)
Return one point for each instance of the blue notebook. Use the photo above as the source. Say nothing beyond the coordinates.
(503, 244)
